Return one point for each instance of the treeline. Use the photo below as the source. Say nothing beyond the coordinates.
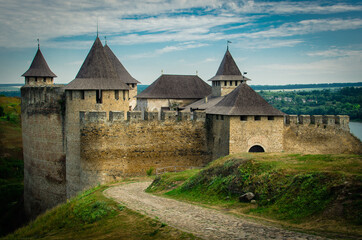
(344, 101)
(302, 86)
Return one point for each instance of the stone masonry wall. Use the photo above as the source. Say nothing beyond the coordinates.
(115, 148)
(42, 114)
(319, 135)
(74, 105)
(265, 133)
(218, 128)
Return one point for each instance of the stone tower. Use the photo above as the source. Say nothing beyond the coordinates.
(42, 120)
(244, 122)
(97, 87)
(227, 77)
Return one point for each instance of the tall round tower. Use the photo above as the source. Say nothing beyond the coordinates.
(42, 120)
(97, 87)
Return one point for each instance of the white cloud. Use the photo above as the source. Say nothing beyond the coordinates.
(335, 53)
(307, 27)
(168, 49)
(288, 7)
(139, 21)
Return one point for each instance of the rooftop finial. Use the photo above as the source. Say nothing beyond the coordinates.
(38, 43)
(227, 43)
(105, 39)
(161, 71)
(197, 73)
(97, 26)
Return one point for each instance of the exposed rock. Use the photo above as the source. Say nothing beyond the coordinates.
(246, 197)
(253, 201)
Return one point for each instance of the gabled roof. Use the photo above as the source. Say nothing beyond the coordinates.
(97, 72)
(228, 70)
(202, 104)
(244, 101)
(39, 67)
(176, 87)
(120, 69)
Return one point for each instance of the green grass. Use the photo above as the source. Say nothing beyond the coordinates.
(306, 191)
(91, 215)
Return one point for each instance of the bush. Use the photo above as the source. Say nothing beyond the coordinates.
(150, 171)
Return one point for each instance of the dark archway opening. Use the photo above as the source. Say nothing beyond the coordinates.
(256, 148)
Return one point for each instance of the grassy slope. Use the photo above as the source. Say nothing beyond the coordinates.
(11, 166)
(310, 192)
(91, 215)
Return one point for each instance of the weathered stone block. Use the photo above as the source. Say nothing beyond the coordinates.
(116, 116)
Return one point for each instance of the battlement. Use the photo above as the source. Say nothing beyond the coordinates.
(137, 116)
(324, 121)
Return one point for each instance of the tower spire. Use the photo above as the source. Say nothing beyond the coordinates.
(97, 26)
(105, 38)
(38, 43)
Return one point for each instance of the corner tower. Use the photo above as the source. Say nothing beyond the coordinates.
(97, 87)
(227, 77)
(42, 120)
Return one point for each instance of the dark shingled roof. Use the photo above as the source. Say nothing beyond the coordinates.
(228, 70)
(120, 69)
(176, 87)
(244, 101)
(228, 65)
(97, 72)
(39, 67)
(202, 105)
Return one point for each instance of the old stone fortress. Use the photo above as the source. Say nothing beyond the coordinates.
(96, 129)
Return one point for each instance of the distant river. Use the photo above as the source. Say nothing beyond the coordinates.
(356, 129)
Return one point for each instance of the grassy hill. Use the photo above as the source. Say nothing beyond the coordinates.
(318, 193)
(11, 166)
(91, 215)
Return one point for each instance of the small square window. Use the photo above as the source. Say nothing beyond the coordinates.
(217, 117)
(270, 118)
(82, 94)
(243, 118)
(257, 118)
(222, 117)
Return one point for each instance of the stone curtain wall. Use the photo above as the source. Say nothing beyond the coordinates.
(111, 150)
(42, 114)
(265, 133)
(319, 135)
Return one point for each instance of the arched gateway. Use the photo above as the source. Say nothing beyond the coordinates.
(256, 148)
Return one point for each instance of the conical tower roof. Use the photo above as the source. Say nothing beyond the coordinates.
(97, 72)
(228, 70)
(169, 86)
(39, 67)
(244, 101)
(123, 74)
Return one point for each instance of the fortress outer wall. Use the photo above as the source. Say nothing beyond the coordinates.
(317, 134)
(115, 148)
(42, 115)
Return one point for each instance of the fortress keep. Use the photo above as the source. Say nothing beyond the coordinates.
(91, 131)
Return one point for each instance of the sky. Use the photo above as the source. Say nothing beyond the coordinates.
(275, 42)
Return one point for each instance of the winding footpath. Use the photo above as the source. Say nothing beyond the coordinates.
(202, 222)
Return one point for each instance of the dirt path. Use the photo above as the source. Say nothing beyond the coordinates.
(202, 222)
